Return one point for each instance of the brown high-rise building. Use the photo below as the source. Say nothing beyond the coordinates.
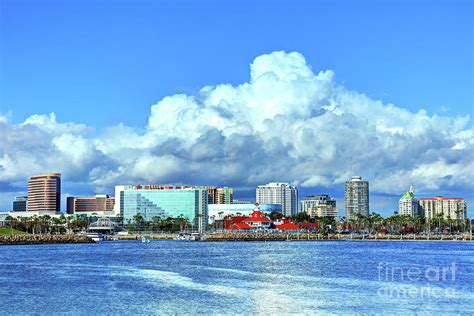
(44, 193)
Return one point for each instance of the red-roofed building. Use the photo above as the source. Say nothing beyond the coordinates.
(239, 226)
(285, 224)
(309, 226)
(255, 220)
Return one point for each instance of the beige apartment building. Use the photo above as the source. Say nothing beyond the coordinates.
(453, 208)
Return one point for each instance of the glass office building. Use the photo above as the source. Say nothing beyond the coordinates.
(190, 203)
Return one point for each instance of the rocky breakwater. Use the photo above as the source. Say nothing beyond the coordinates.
(44, 239)
(263, 236)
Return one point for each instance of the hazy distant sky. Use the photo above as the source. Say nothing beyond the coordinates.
(392, 102)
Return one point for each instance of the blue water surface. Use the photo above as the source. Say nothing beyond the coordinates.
(181, 277)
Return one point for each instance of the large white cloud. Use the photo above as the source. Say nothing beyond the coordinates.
(286, 124)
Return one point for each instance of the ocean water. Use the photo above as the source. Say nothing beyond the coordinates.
(181, 277)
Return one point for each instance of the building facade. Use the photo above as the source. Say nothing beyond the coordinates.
(224, 195)
(279, 193)
(356, 194)
(20, 204)
(44, 193)
(309, 204)
(101, 204)
(322, 211)
(448, 208)
(190, 203)
(217, 195)
(319, 206)
(408, 203)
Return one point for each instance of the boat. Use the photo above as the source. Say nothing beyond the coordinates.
(95, 236)
(188, 236)
(145, 240)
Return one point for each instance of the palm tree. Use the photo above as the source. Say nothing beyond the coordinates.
(56, 222)
(155, 222)
(376, 220)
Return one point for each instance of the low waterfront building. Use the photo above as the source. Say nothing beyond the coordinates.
(241, 202)
(99, 204)
(3, 219)
(30, 214)
(448, 208)
(408, 203)
(19, 204)
(285, 224)
(218, 212)
(191, 204)
(256, 220)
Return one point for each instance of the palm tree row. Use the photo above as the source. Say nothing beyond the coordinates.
(169, 224)
(407, 224)
(45, 224)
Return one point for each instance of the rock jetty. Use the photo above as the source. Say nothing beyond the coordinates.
(44, 239)
(269, 236)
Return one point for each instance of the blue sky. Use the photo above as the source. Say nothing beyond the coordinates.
(101, 63)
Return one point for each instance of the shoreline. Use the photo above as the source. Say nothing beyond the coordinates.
(44, 239)
(220, 237)
(223, 237)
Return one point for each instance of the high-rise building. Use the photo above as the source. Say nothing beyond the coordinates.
(356, 197)
(217, 195)
(408, 203)
(101, 203)
(149, 203)
(19, 205)
(224, 195)
(448, 208)
(279, 193)
(44, 193)
(319, 205)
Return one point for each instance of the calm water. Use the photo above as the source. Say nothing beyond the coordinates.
(278, 277)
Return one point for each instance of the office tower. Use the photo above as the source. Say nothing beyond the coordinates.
(408, 203)
(356, 197)
(44, 193)
(319, 206)
(448, 208)
(101, 203)
(19, 204)
(279, 193)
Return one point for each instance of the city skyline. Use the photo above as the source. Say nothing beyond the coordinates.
(276, 193)
(305, 112)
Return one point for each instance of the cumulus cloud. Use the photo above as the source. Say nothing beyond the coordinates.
(287, 123)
